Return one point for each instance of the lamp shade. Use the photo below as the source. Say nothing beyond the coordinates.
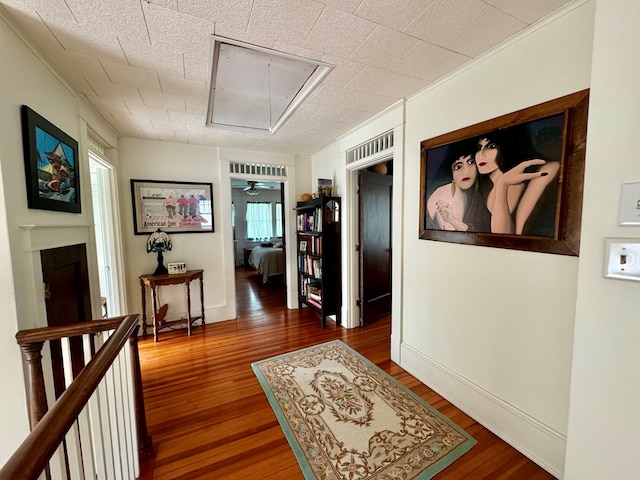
(158, 241)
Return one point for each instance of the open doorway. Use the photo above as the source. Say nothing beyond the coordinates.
(259, 246)
(106, 222)
(375, 194)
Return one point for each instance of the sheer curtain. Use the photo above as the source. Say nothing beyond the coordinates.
(259, 220)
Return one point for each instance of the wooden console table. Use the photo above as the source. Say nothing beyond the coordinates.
(155, 281)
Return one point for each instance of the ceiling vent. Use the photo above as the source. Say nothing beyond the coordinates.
(257, 89)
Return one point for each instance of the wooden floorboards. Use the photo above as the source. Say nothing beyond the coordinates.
(209, 418)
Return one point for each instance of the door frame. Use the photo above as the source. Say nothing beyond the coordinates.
(351, 223)
(112, 210)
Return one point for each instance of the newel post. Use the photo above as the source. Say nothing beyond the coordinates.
(145, 445)
(36, 395)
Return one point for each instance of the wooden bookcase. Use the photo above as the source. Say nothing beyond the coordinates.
(318, 246)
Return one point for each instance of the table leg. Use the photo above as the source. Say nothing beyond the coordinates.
(144, 310)
(154, 297)
(186, 286)
(202, 299)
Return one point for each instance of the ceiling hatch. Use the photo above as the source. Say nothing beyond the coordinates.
(257, 89)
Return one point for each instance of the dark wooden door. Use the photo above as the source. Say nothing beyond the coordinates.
(67, 298)
(375, 191)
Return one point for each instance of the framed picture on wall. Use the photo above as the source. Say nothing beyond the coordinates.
(511, 182)
(51, 165)
(174, 207)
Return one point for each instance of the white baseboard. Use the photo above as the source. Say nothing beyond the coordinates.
(542, 444)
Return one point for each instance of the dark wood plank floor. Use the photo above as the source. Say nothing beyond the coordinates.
(208, 415)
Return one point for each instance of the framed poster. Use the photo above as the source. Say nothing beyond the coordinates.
(511, 182)
(174, 207)
(51, 165)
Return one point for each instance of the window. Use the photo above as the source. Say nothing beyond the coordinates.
(264, 220)
(259, 220)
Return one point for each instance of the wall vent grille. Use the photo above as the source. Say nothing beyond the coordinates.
(370, 148)
(258, 169)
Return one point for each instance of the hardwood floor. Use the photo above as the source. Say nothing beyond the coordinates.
(208, 415)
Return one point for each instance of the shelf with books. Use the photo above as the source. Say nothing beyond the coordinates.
(319, 271)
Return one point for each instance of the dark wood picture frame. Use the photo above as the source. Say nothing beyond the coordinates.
(156, 204)
(559, 129)
(51, 165)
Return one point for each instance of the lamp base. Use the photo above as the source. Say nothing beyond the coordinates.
(161, 269)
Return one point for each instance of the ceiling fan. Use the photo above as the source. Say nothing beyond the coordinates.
(252, 188)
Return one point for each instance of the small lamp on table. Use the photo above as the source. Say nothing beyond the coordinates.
(159, 242)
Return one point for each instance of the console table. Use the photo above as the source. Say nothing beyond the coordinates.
(155, 281)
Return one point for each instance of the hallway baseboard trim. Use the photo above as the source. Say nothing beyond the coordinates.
(546, 445)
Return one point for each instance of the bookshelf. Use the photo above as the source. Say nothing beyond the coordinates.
(318, 245)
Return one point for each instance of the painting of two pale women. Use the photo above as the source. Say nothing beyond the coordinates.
(503, 182)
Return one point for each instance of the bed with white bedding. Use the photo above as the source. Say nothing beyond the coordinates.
(268, 261)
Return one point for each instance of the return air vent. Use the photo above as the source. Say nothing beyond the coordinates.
(258, 169)
(371, 148)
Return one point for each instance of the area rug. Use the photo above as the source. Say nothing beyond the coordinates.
(345, 418)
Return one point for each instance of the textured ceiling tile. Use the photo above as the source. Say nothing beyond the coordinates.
(107, 90)
(87, 41)
(72, 66)
(159, 100)
(467, 26)
(196, 66)
(179, 87)
(139, 109)
(528, 12)
(47, 9)
(152, 57)
(195, 106)
(392, 13)
(427, 61)
(234, 13)
(119, 17)
(338, 33)
(383, 46)
(178, 31)
(368, 102)
(372, 80)
(262, 39)
(331, 95)
(289, 20)
(299, 51)
(348, 6)
(344, 70)
(187, 118)
(131, 76)
(403, 86)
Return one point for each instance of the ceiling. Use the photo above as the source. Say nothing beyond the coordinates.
(144, 64)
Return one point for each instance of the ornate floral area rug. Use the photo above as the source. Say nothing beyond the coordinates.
(347, 419)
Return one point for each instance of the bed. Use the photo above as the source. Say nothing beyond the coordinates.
(268, 261)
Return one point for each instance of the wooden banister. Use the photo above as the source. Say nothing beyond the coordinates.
(31, 458)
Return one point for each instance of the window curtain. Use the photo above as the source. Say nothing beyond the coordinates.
(259, 220)
(278, 219)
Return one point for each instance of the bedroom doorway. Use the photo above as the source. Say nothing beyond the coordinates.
(259, 246)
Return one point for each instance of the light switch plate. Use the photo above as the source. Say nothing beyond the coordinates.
(622, 258)
(629, 208)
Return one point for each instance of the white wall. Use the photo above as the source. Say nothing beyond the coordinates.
(25, 79)
(492, 329)
(604, 420)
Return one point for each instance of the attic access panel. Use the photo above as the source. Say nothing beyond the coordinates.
(257, 89)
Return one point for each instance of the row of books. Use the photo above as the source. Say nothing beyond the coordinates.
(314, 295)
(309, 222)
(310, 288)
(309, 244)
(311, 266)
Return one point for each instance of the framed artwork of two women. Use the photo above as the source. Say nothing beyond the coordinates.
(511, 182)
